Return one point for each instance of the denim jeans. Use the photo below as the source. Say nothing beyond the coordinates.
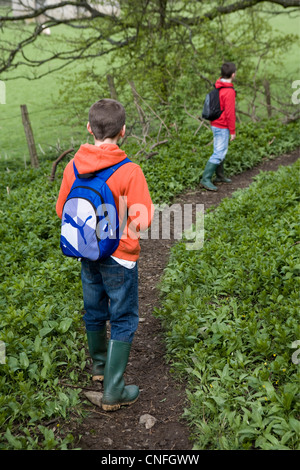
(221, 140)
(110, 292)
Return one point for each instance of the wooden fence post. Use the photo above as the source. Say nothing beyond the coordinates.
(29, 136)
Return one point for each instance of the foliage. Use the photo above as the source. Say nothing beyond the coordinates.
(180, 163)
(236, 352)
(40, 289)
(231, 316)
(170, 63)
(40, 319)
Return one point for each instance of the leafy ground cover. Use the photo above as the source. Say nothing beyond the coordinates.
(231, 316)
(181, 161)
(41, 302)
(40, 331)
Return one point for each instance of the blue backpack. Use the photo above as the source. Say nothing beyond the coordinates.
(90, 223)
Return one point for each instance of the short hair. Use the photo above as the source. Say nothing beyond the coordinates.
(227, 69)
(106, 118)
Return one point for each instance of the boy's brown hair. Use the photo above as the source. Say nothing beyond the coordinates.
(106, 118)
(228, 69)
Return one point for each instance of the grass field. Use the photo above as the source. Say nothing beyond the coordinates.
(50, 121)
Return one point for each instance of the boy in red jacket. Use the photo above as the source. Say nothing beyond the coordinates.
(222, 128)
(110, 286)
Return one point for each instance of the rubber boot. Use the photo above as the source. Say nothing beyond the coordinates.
(97, 344)
(116, 393)
(221, 178)
(209, 170)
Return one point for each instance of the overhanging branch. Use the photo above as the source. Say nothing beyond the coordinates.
(123, 24)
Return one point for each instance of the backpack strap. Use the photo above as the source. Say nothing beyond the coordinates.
(103, 174)
(75, 169)
(108, 172)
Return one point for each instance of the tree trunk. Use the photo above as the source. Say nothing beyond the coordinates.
(112, 88)
(268, 97)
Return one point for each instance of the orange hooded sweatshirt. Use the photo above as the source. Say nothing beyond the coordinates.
(128, 186)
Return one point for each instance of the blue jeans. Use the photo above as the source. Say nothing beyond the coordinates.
(110, 292)
(221, 140)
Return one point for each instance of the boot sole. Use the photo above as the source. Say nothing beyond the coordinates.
(209, 189)
(117, 406)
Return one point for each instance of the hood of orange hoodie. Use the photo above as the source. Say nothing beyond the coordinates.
(90, 158)
(220, 83)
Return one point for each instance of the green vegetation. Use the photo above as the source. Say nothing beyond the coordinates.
(41, 298)
(40, 319)
(231, 316)
(230, 310)
(50, 119)
(58, 103)
(180, 163)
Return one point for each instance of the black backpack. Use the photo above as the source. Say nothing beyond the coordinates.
(211, 108)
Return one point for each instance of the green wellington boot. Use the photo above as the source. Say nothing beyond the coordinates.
(116, 393)
(221, 178)
(209, 170)
(97, 344)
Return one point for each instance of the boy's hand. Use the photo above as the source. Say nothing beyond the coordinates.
(232, 137)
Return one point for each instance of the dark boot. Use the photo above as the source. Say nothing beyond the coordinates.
(221, 178)
(97, 348)
(209, 170)
(116, 393)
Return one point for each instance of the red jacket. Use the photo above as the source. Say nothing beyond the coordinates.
(227, 102)
(128, 185)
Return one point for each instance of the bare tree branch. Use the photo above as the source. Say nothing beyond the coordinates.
(232, 8)
(127, 26)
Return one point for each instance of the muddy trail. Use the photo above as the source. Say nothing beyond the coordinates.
(161, 396)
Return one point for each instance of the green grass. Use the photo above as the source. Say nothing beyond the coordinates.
(51, 121)
(291, 59)
(180, 163)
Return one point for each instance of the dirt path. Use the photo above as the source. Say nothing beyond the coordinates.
(161, 397)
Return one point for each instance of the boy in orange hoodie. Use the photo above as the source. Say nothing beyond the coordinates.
(110, 286)
(222, 128)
